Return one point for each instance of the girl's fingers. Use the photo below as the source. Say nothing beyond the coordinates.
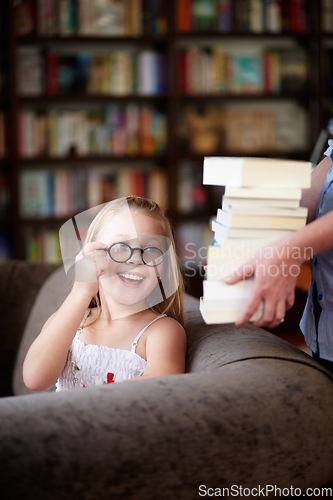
(89, 262)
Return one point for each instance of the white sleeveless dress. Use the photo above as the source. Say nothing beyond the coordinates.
(88, 364)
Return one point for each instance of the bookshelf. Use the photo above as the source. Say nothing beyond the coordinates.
(136, 94)
(7, 169)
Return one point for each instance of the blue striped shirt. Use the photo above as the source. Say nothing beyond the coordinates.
(317, 320)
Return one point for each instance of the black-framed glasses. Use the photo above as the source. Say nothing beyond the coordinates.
(122, 252)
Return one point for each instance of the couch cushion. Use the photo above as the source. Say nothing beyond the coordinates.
(49, 299)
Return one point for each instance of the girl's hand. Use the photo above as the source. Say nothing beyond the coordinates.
(90, 264)
(274, 284)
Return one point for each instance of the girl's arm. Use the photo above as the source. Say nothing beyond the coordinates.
(47, 355)
(165, 349)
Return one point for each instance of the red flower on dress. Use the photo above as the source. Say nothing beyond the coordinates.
(110, 378)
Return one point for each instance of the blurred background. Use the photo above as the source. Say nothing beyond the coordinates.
(101, 99)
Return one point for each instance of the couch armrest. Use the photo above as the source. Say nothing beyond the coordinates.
(248, 423)
(20, 282)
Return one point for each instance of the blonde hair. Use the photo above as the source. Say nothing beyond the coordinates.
(172, 279)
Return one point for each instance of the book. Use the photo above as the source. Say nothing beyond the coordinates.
(218, 290)
(250, 171)
(266, 211)
(221, 231)
(183, 16)
(36, 194)
(213, 314)
(259, 197)
(247, 73)
(257, 192)
(259, 202)
(29, 71)
(239, 219)
(222, 303)
(224, 260)
(204, 15)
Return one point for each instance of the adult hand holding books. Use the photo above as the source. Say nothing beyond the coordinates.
(275, 269)
(253, 232)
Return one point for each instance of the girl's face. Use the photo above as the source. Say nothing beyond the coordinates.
(130, 282)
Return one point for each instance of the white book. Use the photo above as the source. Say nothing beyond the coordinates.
(222, 232)
(213, 313)
(258, 192)
(233, 219)
(224, 260)
(268, 172)
(258, 202)
(217, 289)
(266, 211)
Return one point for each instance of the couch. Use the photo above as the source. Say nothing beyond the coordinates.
(252, 411)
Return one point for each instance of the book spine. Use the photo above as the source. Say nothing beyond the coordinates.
(80, 133)
(183, 16)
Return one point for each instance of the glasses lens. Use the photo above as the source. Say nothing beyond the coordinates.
(152, 256)
(120, 252)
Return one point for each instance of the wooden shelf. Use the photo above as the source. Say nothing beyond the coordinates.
(198, 35)
(92, 40)
(86, 98)
(82, 160)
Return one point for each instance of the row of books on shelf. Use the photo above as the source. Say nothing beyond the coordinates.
(243, 15)
(247, 128)
(91, 17)
(63, 192)
(261, 204)
(213, 70)
(120, 72)
(42, 245)
(327, 15)
(129, 129)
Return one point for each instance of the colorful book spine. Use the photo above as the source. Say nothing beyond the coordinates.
(120, 130)
(64, 192)
(91, 18)
(212, 69)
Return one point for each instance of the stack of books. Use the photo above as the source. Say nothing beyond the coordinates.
(261, 204)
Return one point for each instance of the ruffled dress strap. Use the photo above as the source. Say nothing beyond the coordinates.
(137, 338)
(83, 322)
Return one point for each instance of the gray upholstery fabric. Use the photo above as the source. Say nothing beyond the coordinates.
(48, 300)
(251, 410)
(20, 282)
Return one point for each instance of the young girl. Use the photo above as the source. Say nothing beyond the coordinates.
(123, 318)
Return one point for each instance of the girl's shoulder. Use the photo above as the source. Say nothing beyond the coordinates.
(165, 325)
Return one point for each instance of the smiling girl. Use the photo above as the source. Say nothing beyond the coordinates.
(123, 318)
